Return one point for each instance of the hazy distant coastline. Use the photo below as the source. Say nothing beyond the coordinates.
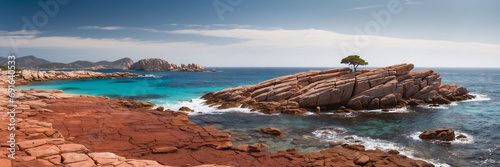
(33, 63)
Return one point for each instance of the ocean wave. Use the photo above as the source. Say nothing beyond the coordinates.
(199, 107)
(479, 97)
(394, 110)
(431, 107)
(348, 115)
(309, 113)
(468, 140)
(149, 76)
(357, 113)
(331, 134)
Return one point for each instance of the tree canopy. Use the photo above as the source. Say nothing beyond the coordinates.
(354, 60)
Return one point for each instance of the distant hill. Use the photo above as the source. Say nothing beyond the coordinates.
(125, 62)
(32, 62)
(26, 61)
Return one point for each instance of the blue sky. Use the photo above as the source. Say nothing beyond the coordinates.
(280, 33)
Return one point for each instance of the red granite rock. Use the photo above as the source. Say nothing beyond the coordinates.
(127, 131)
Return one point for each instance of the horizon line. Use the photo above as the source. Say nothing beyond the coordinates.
(332, 67)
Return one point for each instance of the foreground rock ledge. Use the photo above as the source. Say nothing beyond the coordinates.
(332, 89)
(57, 129)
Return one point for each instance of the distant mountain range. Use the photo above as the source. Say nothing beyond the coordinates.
(32, 62)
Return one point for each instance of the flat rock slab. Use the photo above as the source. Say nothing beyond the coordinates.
(43, 151)
(127, 133)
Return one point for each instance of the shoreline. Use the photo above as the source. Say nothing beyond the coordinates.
(192, 151)
(27, 76)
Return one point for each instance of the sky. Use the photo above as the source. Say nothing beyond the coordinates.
(256, 33)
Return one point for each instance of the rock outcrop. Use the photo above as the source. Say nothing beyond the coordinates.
(162, 65)
(338, 88)
(443, 134)
(30, 75)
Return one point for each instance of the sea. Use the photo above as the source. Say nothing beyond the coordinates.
(398, 129)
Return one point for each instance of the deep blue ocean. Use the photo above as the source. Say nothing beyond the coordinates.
(479, 119)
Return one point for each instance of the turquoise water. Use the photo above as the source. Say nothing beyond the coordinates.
(478, 119)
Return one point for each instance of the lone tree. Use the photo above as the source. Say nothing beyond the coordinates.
(354, 60)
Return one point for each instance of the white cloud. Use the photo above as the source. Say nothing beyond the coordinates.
(189, 26)
(279, 47)
(21, 32)
(104, 28)
(367, 7)
(409, 2)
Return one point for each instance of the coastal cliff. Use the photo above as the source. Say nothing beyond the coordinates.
(162, 65)
(341, 90)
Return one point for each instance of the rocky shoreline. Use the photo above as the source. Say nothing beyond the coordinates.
(341, 90)
(27, 76)
(58, 129)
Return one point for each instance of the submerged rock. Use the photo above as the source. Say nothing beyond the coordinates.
(271, 131)
(333, 144)
(387, 87)
(337, 130)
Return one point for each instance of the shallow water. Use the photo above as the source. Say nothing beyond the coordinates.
(479, 118)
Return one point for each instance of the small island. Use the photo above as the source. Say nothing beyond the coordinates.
(162, 65)
(341, 90)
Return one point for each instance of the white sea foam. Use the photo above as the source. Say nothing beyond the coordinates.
(309, 113)
(199, 107)
(349, 115)
(468, 140)
(149, 76)
(479, 97)
(371, 144)
(394, 110)
(430, 107)
(356, 113)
